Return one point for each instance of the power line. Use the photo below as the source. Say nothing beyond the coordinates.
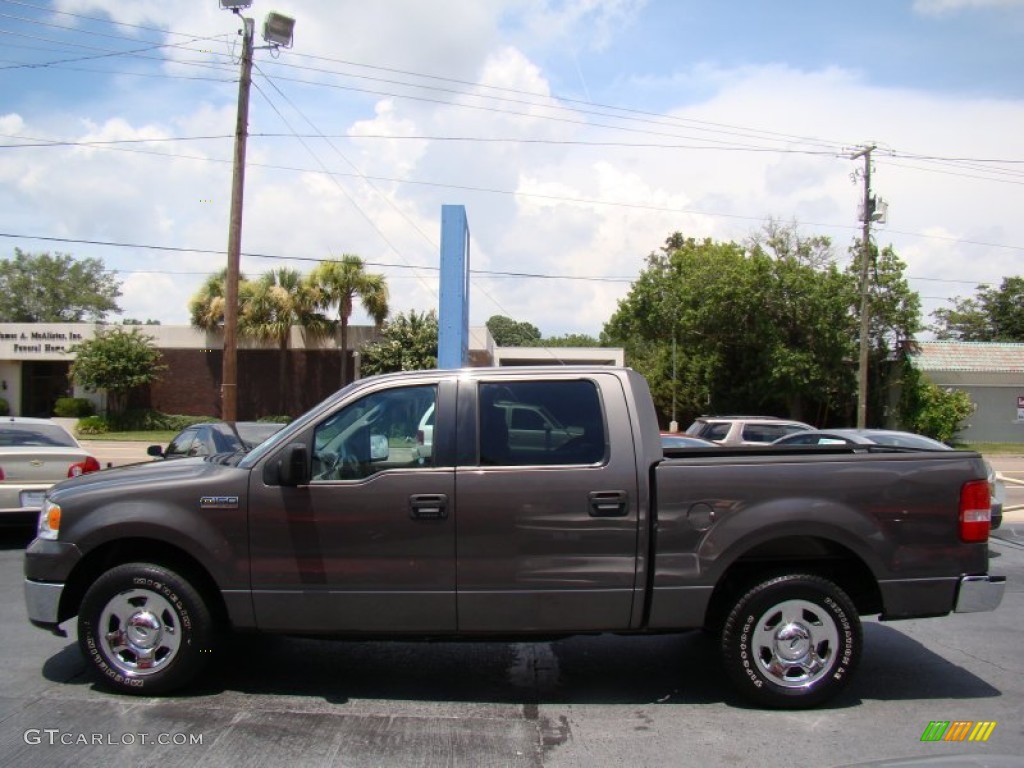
(378, 264)
(660, 119)
(312, 259)
(31, 142)
(100, 19)
(558, 198)
(625, 113)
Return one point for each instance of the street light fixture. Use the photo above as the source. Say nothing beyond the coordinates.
(277, 31)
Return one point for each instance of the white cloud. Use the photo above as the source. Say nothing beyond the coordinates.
(590, 22)
(574, 208)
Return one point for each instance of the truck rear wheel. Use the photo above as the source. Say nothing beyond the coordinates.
(144, 628)
(792, 641)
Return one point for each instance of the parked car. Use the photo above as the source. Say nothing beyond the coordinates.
(35, 454)
(896, 439)
(744, 430)
(679, 440)
(216, 437)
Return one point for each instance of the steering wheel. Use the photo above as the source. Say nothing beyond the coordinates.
(339, 466)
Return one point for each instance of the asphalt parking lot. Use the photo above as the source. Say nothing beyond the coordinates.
(583, 702)
(577, 702)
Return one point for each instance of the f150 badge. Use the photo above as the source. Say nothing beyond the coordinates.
(218, 502)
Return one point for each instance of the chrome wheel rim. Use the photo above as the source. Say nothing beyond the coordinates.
(795, 643)
(140, 632)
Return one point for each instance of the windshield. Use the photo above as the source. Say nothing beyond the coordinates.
(253, 433)
(905, 440)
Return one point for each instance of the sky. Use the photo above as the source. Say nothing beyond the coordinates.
(577, 134)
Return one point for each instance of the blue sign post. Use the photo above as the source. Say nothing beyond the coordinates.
(453, 319)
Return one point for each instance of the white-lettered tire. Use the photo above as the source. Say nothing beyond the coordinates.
(792, 641)
(145, 629)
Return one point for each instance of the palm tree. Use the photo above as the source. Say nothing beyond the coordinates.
(206, 307)
(278, 300)
(340, 283)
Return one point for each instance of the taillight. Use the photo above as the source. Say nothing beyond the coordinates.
(1, 473)
(84, 467)
(975, 511)
(419, 437)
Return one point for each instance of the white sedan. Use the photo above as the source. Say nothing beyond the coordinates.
(35, 454)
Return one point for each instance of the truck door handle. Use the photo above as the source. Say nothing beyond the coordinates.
(609, 503)
(428, 506)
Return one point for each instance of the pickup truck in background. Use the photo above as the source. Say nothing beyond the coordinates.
(340, 525)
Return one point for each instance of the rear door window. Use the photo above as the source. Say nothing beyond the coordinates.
(541, 422)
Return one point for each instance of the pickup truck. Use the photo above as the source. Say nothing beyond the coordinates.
(338, 526)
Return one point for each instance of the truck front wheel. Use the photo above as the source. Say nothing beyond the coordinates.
(144, 628)
(792, 641)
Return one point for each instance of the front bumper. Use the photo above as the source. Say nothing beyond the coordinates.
(42, 600)
(979, 593)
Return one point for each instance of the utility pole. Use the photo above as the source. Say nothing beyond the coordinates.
(278, 30)
(865, 302)
(229, 369)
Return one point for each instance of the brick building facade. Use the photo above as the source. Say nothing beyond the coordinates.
(35, 359)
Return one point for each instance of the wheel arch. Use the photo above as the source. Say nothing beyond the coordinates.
(140, 550)
(812, 554)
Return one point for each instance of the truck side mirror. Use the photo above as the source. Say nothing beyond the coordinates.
(379, 448)
(291, 468)
(156, 451)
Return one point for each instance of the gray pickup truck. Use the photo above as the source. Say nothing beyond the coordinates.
(339, 526)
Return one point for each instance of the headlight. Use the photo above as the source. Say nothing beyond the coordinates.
(49, 521)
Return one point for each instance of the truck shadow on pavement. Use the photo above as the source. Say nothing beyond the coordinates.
(605, 669)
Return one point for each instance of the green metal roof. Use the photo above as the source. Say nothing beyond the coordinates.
(990, 357)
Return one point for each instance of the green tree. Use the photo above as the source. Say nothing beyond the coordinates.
(762, 328)
(992, 314)
(928, 409)
(507, 332)
(339, 284)
(40, 288)
(281, 299)
(407, 343)
(571, 340)
(786, 242)
(118, 361)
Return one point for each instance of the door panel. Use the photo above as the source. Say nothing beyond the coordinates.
(538, 550)
(369, 545)
(352, 557)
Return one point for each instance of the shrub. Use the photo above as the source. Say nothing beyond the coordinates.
(5, 408)
(147, 420)
(74, 407)
(931, 410)
(92, 425)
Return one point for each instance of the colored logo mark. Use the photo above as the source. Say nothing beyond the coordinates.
(958, 730)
